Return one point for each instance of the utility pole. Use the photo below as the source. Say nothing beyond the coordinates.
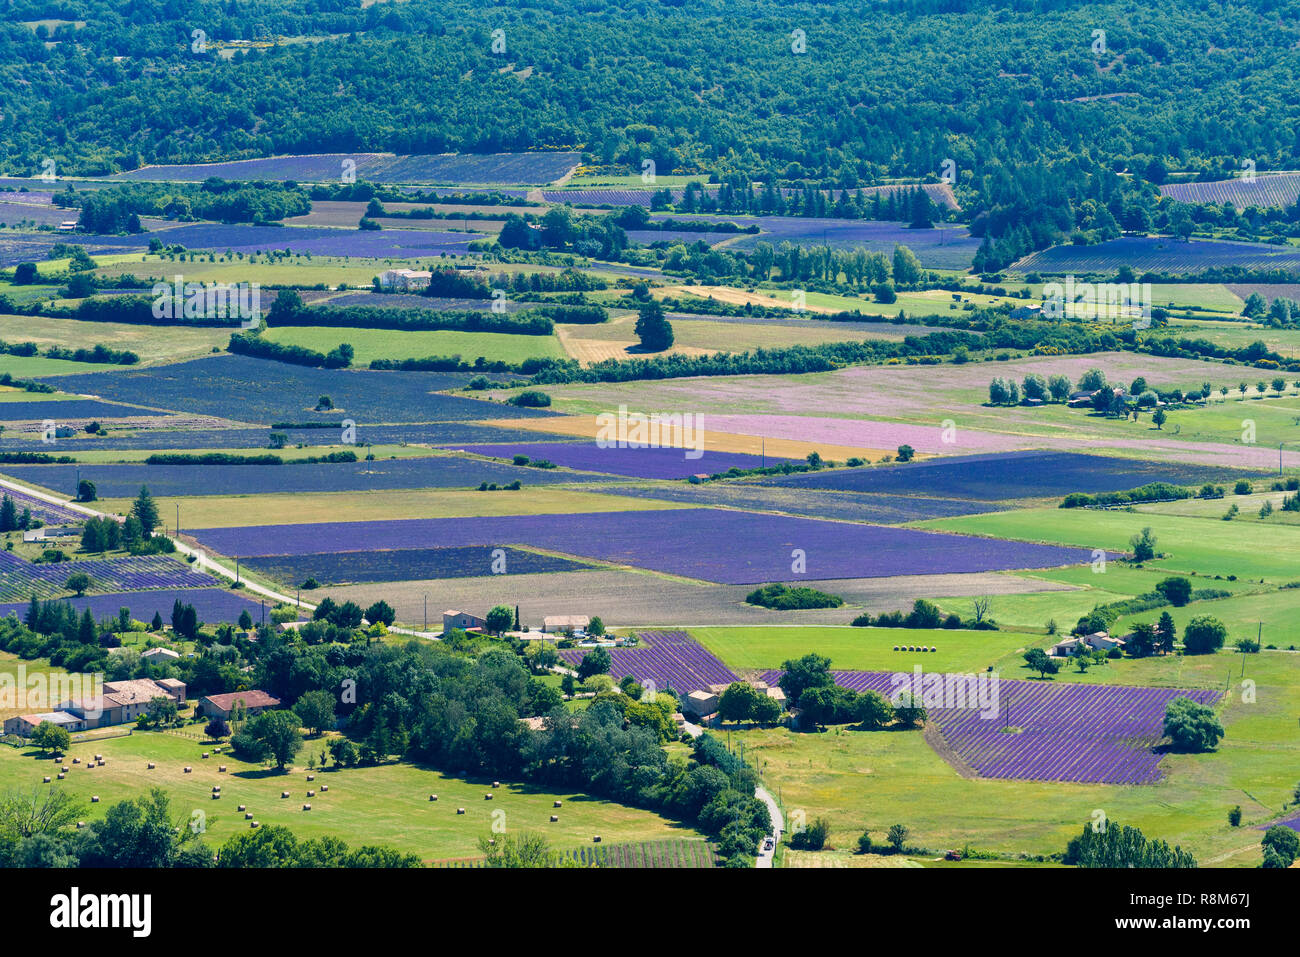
(426, 612)
(178, 518)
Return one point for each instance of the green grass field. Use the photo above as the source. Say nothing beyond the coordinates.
(862, 649)
(394, 344)
(388, 804)
(150, 343)
(1201, 545)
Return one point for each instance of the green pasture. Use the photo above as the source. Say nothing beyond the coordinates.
(372, 344)
(150, 343)
(861, 649)
(1205, 546)
(300, 270)
(387, 804)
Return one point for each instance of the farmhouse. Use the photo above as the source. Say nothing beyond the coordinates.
(158, 656)
(123, 701)
(462, 620)
(1098, 641)
(221, 705)
(701, 703)
(404, 280)
(24, 725)
(557, 623)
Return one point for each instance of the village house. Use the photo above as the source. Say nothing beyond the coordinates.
(123, 701)
(405, 280)
(24, 725)
(462, 620)
(221, 705)
(553, 624)
(158, 656)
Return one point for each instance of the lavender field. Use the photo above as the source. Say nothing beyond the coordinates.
(639, 463)
(670, 659)
(1008, 475)
(20, 579)
(47, 512)
(1158, 254)
(716, 545)
(212, 604)
(435, 471)
(407, 564)
(1094, 734)
(1268, 190)
(534, 168)
(260, 391)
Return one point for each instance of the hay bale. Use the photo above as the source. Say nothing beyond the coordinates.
(311, 777)
(64, 769)
(933, 650)
(324, 788)
(76, 760)
(99, 757)
(311, 794)
(206, 755)
(595, 839)
(216, 795)
(80, 825)
(433, 797)
(554, 818)
(556, 804)
(47, 779)
(248, 815)
(496, 784)
(60, 775)
(252, 824)
(460, 810)
(242, 807)
(284, 794)
(151, 765)
(188, 770)
(221, 768)
(94, 799)
(306, 807)
(488, 796)
(101, 762)
(216, 787)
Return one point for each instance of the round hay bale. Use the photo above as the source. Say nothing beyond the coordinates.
(99, 757)
(252, 824)
(76, 760)
(80, 825)
(433, 797)
(64, 769)
(306, 807)
(47, 779)
(221, 768)
(216, 795)
(188, 770)
(324, 788)
(151, 765)
(94, 799)
(242, 807)
(206, 755)
(284, 794)
(554, 818)
(248, 815)
(60, 775)
(488, 796)
(311, 794)
(595, 839)
(311, 777)
(933, 650)
(216, 787)
(895, 647)
(557, 804)
(460, 810)
(496, 784)
(101, 762)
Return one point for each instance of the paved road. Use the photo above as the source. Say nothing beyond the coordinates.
(778, 826)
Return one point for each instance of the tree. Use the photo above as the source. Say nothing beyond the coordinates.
(864, 842)
(596, 626)
(897, 837)
(157, 623)
(1039, 660)
(907, 267)
(86, 491)
(810, 671)
(1141, 641)
(1177, 589)
(50, 737)
(905, 453)
(315, 710)
(41, 811)
(652, 327)
(381, 611)
(595, 662)
(145, 511)
(160, 713)
(25, 274)
(216, 728)
(523, 850)
(344, 752)
(8, 514)
(813, 837)
(77, 582)
(1204, 635)
(1159, 418)
(1059, 387)
(1283, 842)
(499, 620)
(1115, 846)
(909, 710)
(738, 702)
(1143, 546)
(1092, 380)
(872, 711)
(1191, 726)
(271, 734)
(245, 620)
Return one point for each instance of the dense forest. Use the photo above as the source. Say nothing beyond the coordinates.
(1057, 119)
